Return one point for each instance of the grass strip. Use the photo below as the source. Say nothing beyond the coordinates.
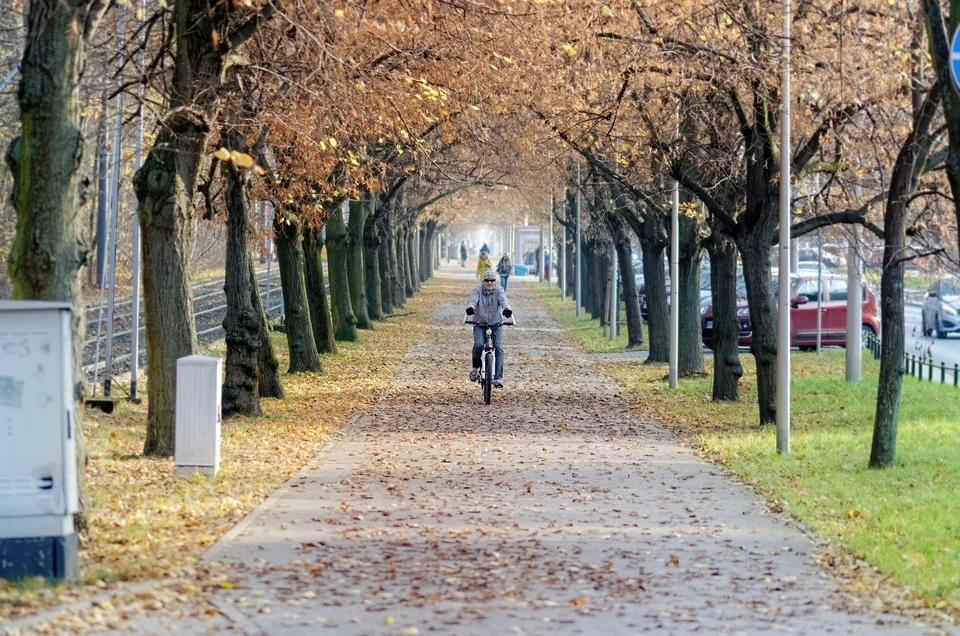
(587, 331)
(904, 520)
(148, 524)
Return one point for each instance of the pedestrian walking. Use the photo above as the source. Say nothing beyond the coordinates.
(504, 269)
(483, 264)
(463, 254)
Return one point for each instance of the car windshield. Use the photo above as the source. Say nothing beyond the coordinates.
(949, 287)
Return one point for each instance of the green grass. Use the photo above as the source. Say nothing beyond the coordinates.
(905, 520)
(588, 332)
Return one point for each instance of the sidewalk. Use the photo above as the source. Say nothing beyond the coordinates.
(553, 510)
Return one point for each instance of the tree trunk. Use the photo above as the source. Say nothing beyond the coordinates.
(268, 367)
(410, 263)
(689, 344)
(320, 316)
(386, 275)
(338, 244)
(165, 185)
(371, 263)
(47, 253)
(726, 329)
(396, 270)
(754, 243)
(654, 277)
(241, 323)
(356, 272)
(429, 250)
(303, 348)
(883, 451)
(629, 287)
(596, 283)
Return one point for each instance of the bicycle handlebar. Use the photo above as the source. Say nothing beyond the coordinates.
(508, 322)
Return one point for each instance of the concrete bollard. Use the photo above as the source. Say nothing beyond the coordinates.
(197, 442)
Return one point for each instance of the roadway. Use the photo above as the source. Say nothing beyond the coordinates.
(942, 351)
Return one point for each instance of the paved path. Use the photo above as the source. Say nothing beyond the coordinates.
(554, 510)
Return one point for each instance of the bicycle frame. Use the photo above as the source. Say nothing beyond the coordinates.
(488, 357)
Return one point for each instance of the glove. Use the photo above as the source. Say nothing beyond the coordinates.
(469, 311)
(507, 313)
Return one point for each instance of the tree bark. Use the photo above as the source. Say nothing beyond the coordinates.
(386, 275)
(242, 325)
(409, 263)
(304, 356)
(396, 269)
(371, 262)
(47, 253)
(727, 369)
(689, 344)
(654, 277)
(341, 305)
(268, 367)
(321, 318)
(883, 450)
(629, 287)
(356, 272)
(754, 245)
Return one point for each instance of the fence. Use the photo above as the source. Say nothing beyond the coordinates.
(920, 367)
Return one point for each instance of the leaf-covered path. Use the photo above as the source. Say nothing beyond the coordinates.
(554, 510)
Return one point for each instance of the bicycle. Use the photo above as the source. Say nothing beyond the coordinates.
(488, 359)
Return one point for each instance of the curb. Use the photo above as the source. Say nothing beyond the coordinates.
(214, 551)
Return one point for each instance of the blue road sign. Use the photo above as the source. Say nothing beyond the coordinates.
(955, 59)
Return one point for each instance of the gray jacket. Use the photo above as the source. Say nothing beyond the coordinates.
(489, 305)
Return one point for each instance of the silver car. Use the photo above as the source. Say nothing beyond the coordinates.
(941, 307)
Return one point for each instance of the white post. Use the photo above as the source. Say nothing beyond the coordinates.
(854, 313)
(614, 304)
(135, 249)
(263, 211)
(783, 326)
(579, 263)
(674, 285)
(553, 254)
(115, 208)
(543, 253)
(563, 261)
(819, 291)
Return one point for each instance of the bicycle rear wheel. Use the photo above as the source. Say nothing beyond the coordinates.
(487, 377)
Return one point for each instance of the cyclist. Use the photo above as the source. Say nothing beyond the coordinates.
(488, 301)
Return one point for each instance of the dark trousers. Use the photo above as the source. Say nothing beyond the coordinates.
(497, 346)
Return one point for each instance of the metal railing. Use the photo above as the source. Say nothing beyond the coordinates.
(918, 366)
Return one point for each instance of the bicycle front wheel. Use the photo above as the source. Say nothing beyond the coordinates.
(487, 377)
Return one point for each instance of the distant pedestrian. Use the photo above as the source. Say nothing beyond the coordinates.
(484, 249)
(483, 264)
(463, 254)
(504, 268)
(546, 266)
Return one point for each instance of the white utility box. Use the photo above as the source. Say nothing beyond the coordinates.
(197, 442)
(38, 463)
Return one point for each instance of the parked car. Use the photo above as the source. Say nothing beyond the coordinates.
(803, 313)
(940, 308)
(705, 293)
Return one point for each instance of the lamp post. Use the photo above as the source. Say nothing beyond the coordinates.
(783, 322)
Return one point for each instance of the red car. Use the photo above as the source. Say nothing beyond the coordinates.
(803, 315)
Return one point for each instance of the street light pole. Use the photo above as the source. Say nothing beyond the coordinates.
(553, 262)
(783, 327)
(135, 247)
(854, 313)
(674, 284)
(579, 264)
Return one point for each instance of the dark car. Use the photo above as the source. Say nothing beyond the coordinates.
(803, 313)
(940, 308)
(705, 293)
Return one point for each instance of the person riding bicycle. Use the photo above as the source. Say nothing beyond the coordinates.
(487, 302)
